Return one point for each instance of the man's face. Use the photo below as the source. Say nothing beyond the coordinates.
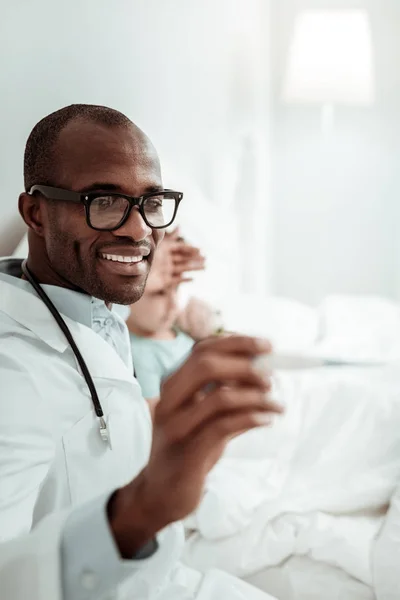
(94, 157)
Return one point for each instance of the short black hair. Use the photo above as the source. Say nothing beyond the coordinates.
(39, 160)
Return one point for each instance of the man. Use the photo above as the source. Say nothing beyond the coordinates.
(96, 494)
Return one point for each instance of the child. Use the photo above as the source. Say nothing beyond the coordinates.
(161, 338)
(157, 344)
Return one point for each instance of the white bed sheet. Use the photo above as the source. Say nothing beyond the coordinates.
(315, 487)
(302, 578)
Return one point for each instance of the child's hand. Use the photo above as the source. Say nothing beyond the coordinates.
(199, 319)
(173, 260)
(184, 257)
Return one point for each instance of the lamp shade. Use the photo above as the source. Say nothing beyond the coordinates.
(330, 59)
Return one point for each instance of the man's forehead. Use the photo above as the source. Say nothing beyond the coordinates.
(82, 135)
(88, 152)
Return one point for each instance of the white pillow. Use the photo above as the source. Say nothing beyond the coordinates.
(360, 327)
(288, 324)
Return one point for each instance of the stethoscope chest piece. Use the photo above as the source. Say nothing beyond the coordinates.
(103, 430)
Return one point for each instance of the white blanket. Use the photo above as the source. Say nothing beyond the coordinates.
(315, 486)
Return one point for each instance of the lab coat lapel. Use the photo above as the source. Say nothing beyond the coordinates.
(102, 360)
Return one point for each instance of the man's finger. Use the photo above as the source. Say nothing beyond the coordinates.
(234, 344)
(220, 402)
(212, 440)
(198, 372)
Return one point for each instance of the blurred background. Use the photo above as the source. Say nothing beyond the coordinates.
(278, 119)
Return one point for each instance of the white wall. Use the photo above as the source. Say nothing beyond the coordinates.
(336, 201)
(195, 74)
(192, 73)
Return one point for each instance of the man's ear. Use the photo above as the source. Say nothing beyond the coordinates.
(31, 210)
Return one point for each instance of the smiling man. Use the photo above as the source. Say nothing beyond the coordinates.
(122, 160)
(90, 496)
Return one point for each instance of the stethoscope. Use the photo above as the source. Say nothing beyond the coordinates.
(81, 361)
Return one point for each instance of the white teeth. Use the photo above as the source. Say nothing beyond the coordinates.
(122, 259)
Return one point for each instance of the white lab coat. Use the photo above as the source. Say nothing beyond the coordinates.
(53, 458)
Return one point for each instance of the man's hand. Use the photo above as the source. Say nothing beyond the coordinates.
(213, 397)
(152, 403)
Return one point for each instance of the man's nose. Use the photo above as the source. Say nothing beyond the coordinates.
(134, 227)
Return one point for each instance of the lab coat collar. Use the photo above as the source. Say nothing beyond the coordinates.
(26, 308)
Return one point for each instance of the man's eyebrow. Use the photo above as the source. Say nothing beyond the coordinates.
(153, 189)
(100, 186)
(111, 187)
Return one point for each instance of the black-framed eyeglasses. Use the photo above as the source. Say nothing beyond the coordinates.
(107, 211)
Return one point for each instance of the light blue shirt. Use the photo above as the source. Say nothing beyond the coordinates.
(90, 560)
(155, 359)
